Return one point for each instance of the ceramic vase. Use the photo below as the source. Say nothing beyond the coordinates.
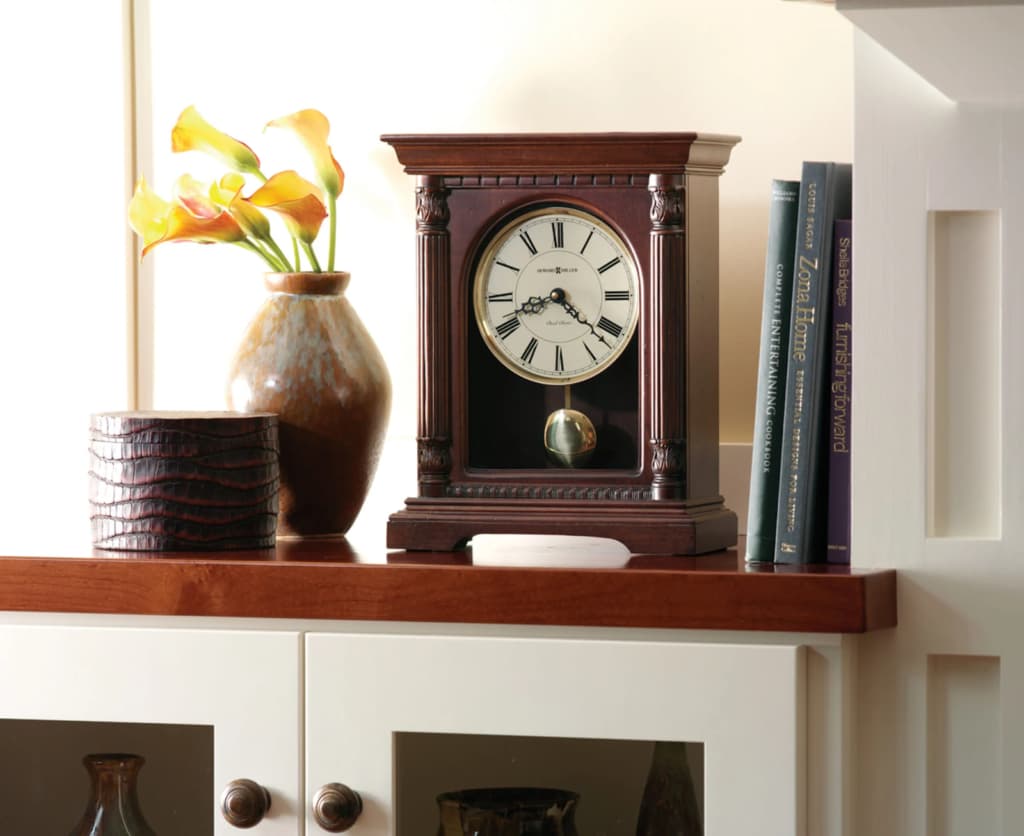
(308, 357)
(508, 811)
(113, 807)
(669, 804)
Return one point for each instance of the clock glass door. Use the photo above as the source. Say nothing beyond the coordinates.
(555, 298)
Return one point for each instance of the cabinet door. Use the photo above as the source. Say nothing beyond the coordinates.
(369, 696)
(240, 689)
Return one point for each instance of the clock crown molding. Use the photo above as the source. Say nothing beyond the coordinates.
(556, 153)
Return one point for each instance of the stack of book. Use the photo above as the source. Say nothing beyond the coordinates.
(800, 473)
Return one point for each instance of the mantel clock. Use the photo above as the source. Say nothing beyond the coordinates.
(568, 339)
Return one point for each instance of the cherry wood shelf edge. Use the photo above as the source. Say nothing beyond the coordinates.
(711, 592)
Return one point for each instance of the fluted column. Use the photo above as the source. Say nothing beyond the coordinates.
(433, 269)
(666, 332)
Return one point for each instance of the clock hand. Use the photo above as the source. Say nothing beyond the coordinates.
(581, 318)
(535, 304)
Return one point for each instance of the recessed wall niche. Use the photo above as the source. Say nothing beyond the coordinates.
(964, 374)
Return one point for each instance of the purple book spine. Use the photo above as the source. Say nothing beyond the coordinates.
(840, 397)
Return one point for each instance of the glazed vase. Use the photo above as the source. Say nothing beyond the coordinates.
(308, 357)
(113, 807)
(508, 811)
(669, 803)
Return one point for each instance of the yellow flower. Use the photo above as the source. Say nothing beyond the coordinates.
(157, 220)
(228, 194)
(195, 197)
(312, 127)
(147, 213)
(297, 201)
(193, 133)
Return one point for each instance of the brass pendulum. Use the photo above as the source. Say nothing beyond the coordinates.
(569, 436)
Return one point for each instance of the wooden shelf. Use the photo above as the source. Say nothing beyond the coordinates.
(545, 582)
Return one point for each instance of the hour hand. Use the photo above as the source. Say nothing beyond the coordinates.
(533, 305)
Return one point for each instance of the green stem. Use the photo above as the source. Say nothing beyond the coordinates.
(332, 208)
(273, 257)
(249, 245)
(279, 254)
(312, 257)
(295, 248)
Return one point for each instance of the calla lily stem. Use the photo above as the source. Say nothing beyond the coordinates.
(312, 257)
(332, 210)
(279, 254)
(271, 260)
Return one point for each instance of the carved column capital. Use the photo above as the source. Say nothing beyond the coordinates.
(432, 211)
(668, 462)
(434, 458)
(666, 201)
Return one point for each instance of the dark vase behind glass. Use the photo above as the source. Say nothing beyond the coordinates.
(669, 806)
(508, 811)
(113, 807)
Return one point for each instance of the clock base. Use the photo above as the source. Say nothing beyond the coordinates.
(652, 527)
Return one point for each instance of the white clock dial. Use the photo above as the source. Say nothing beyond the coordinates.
(556, 295)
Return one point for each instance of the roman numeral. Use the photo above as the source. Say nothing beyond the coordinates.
(559, 359)
(616, 296)
(529, 351)
(509, 266)
(591, 353)
(584, 247)
(558, 233)
(610, 327)
(609, 265)
(501, 297)
(507, 327)
(525, 236)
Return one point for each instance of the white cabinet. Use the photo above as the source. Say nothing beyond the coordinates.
(365, 694)
(399, 717)
(244, 686)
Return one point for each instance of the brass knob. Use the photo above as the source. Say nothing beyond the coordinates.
(244, 803)
(336, 807)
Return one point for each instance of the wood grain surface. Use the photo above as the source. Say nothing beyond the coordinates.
(329, 579)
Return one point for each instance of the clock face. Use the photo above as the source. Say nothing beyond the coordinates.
(555, 295)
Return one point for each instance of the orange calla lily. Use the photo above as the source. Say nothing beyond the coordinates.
(193, 133)
(228, 194)
(182, 225)
(195, 197)
(147, 213)
(297, 201)
(312, 127)
(157, 220)
(207, 213)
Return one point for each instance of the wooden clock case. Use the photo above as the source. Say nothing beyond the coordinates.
(654, 484)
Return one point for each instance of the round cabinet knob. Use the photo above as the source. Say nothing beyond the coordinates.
(244, 803)
(336, 807)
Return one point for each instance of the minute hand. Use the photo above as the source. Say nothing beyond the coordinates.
(582, 319)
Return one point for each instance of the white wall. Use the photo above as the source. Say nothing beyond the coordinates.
(778, 74)
(64, 302)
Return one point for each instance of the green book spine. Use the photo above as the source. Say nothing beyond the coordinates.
(825, 195)
(771, 371)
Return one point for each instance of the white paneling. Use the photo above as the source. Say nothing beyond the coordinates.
(965, 785)
(918, 152)
(63, 344)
